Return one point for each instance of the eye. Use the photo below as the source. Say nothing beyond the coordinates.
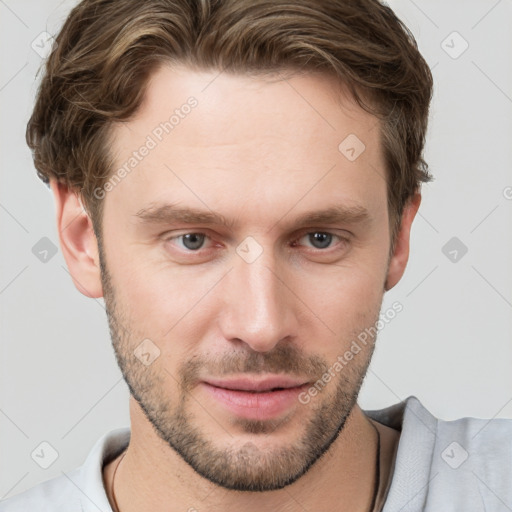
(190, 241)
(320, 239)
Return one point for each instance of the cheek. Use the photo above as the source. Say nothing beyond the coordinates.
(345, 290)
(347, 300)
(165, 302)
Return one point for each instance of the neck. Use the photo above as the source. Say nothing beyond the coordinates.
(152, 476)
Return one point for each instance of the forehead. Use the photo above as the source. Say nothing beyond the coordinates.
(288, 105)
(236, 142)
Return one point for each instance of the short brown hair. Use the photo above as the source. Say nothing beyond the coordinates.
(107, 49)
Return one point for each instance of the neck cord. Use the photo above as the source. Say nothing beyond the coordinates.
(377, 471)
(375, 492)
(116, 508)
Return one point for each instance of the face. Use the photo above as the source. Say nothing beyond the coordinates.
(244, 246)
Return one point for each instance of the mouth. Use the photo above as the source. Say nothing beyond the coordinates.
(254, 385)
(256, 399)
(260, 391)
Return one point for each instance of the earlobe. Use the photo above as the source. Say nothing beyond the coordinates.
(77, 240)
(400, 256)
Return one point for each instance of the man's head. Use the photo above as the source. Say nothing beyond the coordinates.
(264, 125)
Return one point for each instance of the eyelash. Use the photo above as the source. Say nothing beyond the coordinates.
(342, 240)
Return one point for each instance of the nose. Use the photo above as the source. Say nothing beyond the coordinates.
(258, 306)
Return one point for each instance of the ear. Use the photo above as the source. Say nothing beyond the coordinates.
(77, 240)
(400, 256)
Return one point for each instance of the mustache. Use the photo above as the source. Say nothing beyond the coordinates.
(283, 359)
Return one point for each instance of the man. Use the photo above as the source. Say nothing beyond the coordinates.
(238, 180)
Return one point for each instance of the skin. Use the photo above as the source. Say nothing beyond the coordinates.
(256, 152)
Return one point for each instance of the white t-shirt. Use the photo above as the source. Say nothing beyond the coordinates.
(463, 465)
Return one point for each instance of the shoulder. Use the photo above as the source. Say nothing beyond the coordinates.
(463, 464)
(473, 456)
(79, 490)
(54, 495)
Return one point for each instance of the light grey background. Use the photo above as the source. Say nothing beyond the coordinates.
(450, 346)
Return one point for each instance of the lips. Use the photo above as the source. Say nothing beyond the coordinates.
(255, 398)
(257, 385)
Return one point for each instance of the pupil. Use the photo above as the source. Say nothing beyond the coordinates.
(323, 238)
(193, 240)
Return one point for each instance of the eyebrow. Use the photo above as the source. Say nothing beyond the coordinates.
(169, 213)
